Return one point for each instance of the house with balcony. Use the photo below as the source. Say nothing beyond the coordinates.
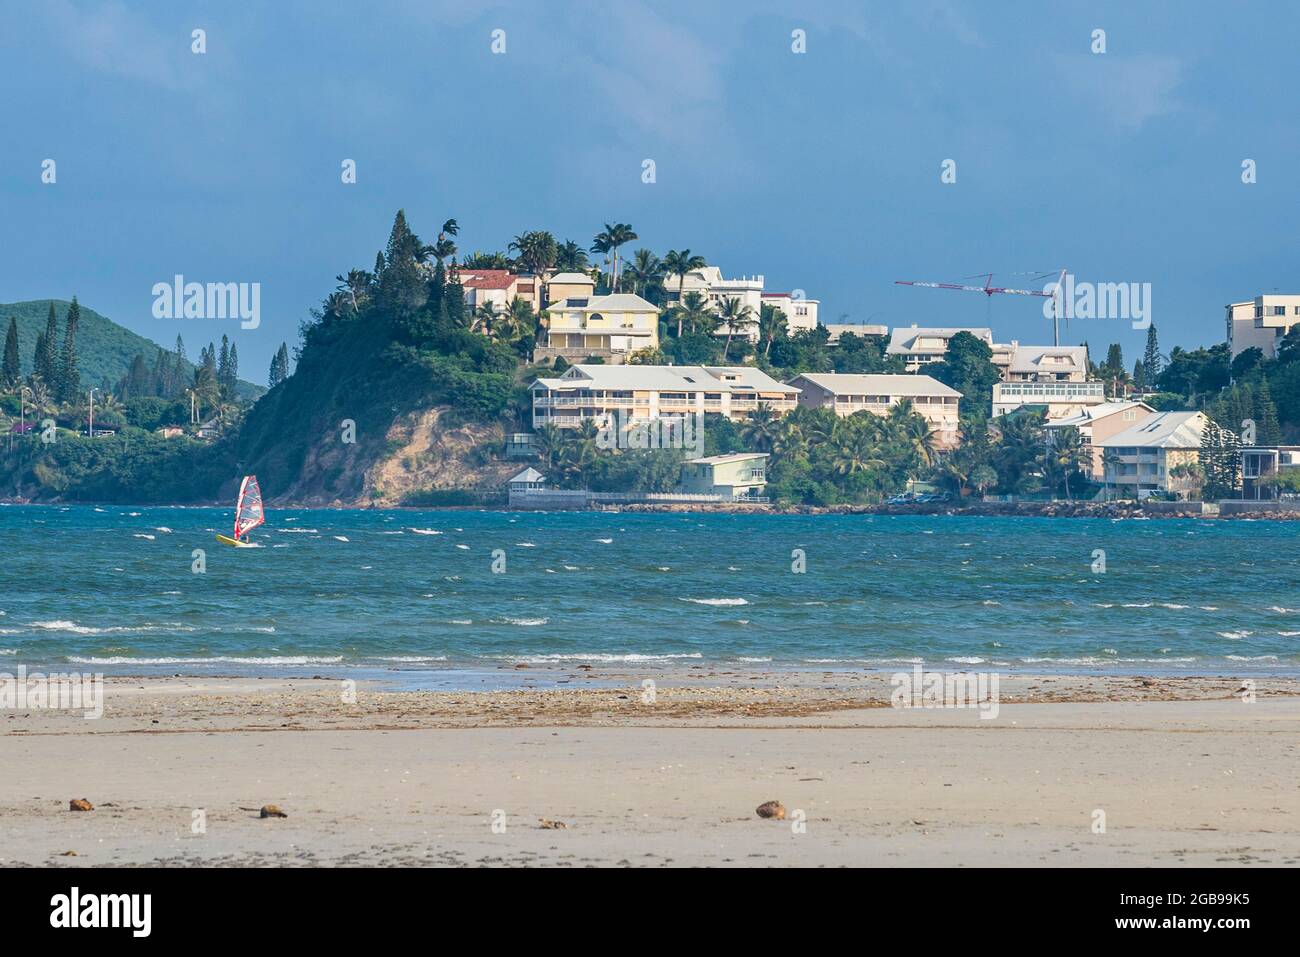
(1097, 423)
(1261, 322)
(611, 327)
(1052, 377)
(639, 393)
(1141, 460)
(877, 394)
(736, 477)
(1260, 465)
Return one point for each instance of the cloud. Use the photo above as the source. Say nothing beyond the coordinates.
(1130, 90)
(109, 38)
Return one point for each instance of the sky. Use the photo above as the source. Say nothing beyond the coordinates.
(820, 170)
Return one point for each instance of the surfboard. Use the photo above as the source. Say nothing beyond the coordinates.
(249, 513)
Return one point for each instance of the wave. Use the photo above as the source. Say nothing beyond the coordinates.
(413, 658)
(594, 656)
(72, 626)
(426, 531)
(716, 601)
(219, 659)
(527, 622)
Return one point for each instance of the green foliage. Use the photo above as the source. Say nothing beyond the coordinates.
(104, 349)
(968, 367)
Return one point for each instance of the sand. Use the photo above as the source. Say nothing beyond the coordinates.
(1185, 771)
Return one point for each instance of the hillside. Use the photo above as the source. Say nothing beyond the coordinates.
(105, 349)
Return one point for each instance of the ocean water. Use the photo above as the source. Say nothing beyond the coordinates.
(412, 594)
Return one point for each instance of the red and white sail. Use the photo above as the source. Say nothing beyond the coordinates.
(248, 512)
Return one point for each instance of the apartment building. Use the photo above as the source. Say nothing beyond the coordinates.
(800, 313)
(611, 327)
(847, 394)
(1140, 460)
(1261, 464)
(837, 329)
(1099, 422)
(1261, 322)
(1054, 378)
(497, 286)
(644, 392)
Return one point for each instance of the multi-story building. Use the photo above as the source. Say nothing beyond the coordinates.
(638, 393)
(1261, 322)
(1053, 377)
(1099, 422)
(1141, 460)
(847, 394)
(607, 326)
(800, 313)
(497, 286)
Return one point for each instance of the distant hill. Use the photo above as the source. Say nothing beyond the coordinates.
(104, 348)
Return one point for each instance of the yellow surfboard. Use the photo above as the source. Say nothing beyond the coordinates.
(224, 540)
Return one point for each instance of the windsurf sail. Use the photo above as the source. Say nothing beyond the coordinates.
(248, 510)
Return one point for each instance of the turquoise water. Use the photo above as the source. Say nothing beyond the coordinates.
(413, 593)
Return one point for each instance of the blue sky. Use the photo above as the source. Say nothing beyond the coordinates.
(819, 170)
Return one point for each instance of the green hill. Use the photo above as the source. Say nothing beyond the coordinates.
(104, 348)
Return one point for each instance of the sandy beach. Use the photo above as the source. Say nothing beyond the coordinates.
(1185, 771)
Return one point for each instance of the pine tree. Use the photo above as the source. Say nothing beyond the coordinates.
(232, 369)
(1139, 376)
(1152, 363)
(1268, 431)
(11, 370)
(45, 362)
(69, 373)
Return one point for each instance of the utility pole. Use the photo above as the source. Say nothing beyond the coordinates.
(91, 426)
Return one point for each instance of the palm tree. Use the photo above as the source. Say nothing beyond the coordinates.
(449, 228)
(645, 269)
(357, 285)
(771, 324)
(1110, 463)
(735, 316)
(571, 257)
(680, 264)
(760, 430)
(614, 236)
(484, 318)
(696, 315)
(1065, 454)
(537, 251)
(855, 451)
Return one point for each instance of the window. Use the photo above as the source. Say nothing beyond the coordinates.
(1279, 310)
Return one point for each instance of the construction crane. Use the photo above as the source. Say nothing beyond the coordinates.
(990, 290)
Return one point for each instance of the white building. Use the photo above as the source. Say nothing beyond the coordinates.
(1099, 422)
(847, 394)
(1141, 460)
(837, 329)
(643, 392)
(800, 313)
(1261, 322)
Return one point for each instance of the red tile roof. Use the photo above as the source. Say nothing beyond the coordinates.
(487, 278)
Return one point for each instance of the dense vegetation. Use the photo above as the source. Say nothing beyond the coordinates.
(398, 338)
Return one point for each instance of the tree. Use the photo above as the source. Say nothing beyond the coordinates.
(401, 286)
(771, 323)
(537, 251)
(11, 369)
(680, 264)
(1220, 461)
(45, 362)
(609, 241)
(968, 367)
(736, 316)
(1066, 454)
(570, 257)
(644, 270)
(761, 429)
(68, 380)
(1152, 362)
(279, 366)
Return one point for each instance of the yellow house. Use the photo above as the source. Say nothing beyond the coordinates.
(737, 476)
(606, 326)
